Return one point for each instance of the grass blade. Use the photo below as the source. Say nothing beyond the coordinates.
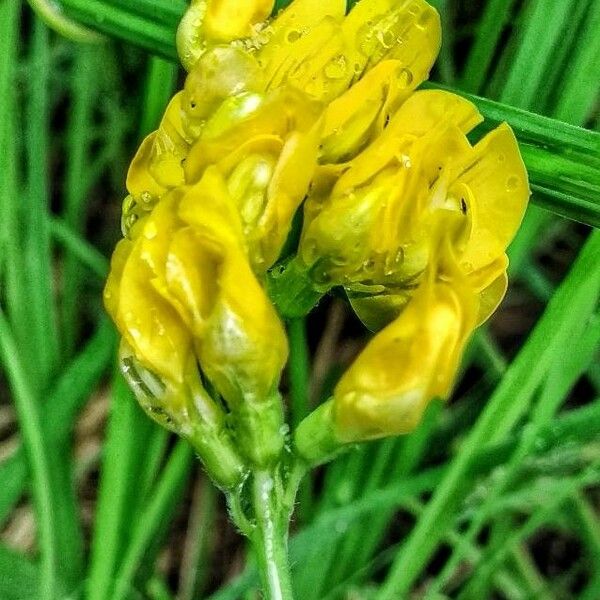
(36, 448)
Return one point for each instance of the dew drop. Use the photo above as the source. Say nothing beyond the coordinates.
(369, 265)
(414, 9)
(150, 231)
(501, 158)
(336, 68)
(405, 77)
(385, 38)
(293, 36)
(368, 42)
(512, 183)
(425, 19)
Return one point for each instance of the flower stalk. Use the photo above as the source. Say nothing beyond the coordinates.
(270, 536)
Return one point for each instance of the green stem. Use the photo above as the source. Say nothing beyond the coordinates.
(299, 370)
(270, 536)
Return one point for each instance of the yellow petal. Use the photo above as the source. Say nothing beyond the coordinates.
(407, 30)
(149, 324)
(496, 185)
(287, 188)
(210, 210)
(191, 271)
(426, 114)
(491, 296)
(222, 72)
(139, 178)
(491, 283)
(113, 283)
(316, 64)
(210, 22)
(427, 109)
(353, 119)
(378, 310)
(157, 165)
(279, 114)
(288, 28)
(406, 365)
(244, 347)
(227, 20)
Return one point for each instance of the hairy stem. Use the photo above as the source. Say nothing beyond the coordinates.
(270, 536)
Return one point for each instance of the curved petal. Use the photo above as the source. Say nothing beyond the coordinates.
(406, 365)
(244, 348)
(406, 30)
(149, 324)
(291, 25)
(497, 189)
(227, 20)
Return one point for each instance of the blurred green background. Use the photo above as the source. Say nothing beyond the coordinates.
(496, 495)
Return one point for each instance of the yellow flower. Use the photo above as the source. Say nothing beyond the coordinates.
(401, 210)
(255, 139)
(406, 365)
(258, 153)
(368, 221)
(182, 293)
(264, 96)
(411, 361)
(184, 285)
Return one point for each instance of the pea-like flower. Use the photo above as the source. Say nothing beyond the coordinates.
(270, 97)
(255, 139)
(401, 210)
(368, 220)
(411, 361)
(182, 293)
(210, 22)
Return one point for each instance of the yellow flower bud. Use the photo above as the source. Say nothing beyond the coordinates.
(406, 365)
(222, 72)
(227, 20)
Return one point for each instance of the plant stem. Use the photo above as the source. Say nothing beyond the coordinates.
(269, 539)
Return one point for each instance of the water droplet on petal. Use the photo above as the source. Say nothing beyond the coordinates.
(386, 38)
(405, 77)
(150, 231)
(293, 36)
(512, 183)
(425, 19)
(336, 68)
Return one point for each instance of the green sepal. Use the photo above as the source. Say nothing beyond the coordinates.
(315, 440)
(260, 430)
(291, 288)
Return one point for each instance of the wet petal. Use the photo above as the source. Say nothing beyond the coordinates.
(406, 365)
(497, 189)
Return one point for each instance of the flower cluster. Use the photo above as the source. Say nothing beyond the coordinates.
(319, 107)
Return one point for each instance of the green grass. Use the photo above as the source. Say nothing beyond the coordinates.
(459, 508)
